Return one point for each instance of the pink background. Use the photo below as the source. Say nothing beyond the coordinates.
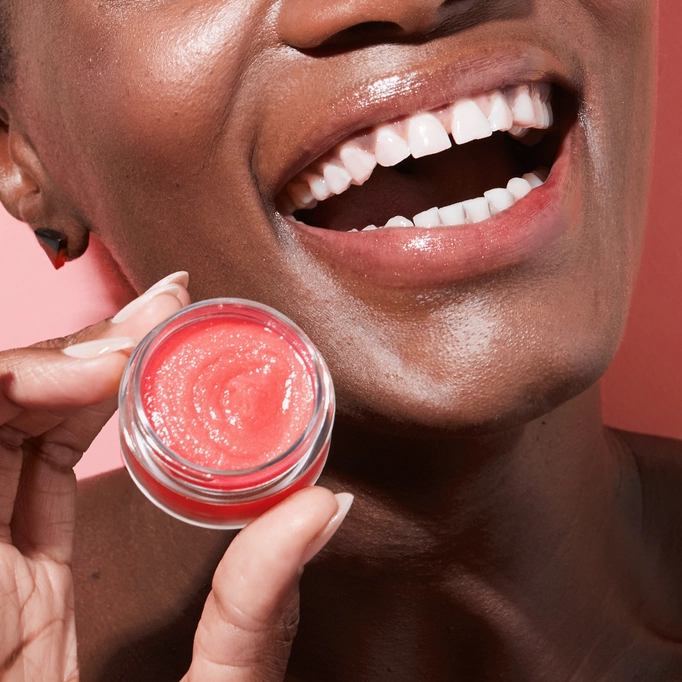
(642, 391)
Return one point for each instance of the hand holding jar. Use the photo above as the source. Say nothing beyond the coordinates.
(54, 399)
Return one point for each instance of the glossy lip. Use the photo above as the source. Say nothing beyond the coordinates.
(429, 257)
(409, 91)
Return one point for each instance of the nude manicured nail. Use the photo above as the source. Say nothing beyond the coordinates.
(93, 349)
(141, 301)
(344, 500)
(180, 277)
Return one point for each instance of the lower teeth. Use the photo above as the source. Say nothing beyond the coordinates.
(493, 201)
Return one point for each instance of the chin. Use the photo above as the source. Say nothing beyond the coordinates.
(516, 382)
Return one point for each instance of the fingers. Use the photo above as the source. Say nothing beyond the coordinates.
(43, 517)
(85, 368)
(44, 511)
(33, 379)
(175, 285)
(250, 617)
(54, 398)
(36, 387)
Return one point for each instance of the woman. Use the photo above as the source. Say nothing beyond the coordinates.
(498, 530)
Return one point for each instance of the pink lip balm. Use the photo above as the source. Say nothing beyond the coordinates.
(225, 409)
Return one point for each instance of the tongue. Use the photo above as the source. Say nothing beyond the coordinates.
(457, 174)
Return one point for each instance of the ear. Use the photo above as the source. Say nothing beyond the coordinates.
(28, 192)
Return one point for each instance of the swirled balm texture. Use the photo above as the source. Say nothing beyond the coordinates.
(227, 393)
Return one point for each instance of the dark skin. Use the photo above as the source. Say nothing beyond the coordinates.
(582, 584)
(499, 531)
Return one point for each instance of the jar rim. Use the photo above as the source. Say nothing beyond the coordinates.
(245, 309)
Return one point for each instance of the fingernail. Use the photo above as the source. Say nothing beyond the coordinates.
(92, 349)
(344, 500)
(180, 277)
(141, 301)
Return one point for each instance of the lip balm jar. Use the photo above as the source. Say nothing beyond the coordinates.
(225, 409)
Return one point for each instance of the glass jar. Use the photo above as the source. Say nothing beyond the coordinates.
(223, 496)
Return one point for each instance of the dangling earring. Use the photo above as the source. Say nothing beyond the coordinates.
(54, 245)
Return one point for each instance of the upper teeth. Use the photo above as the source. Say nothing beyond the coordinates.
(352, 161)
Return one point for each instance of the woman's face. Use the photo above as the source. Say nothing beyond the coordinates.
(174, 126)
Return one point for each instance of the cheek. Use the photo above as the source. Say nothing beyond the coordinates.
(622, 17)
(167, 95)
(616, 123)
(137, 133)
(138, 95)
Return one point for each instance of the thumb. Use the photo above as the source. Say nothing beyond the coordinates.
(250, 617)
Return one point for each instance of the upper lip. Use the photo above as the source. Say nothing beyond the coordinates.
(386, 97)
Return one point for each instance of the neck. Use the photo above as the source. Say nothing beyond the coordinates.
(474, 547)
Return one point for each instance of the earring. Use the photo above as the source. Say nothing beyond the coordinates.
(54, 245)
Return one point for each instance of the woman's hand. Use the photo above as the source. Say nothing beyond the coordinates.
(250, 617)
(54, 399)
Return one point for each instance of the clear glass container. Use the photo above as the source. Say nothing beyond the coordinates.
(222, 498)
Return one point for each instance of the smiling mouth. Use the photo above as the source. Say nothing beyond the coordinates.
(407, 172)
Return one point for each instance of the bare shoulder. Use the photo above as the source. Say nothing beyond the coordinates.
(654, 446)
(659, 461)
(659, 464)
(658, 527)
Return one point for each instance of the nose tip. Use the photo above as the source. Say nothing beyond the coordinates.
(306, 24)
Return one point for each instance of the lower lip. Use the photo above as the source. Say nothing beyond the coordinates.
(425, 257)
(225, 409)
